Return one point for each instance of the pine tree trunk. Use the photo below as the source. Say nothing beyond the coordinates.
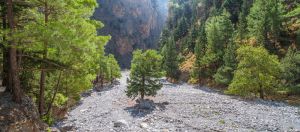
(5, 69)
(5, 53)
(143, 88)
(43, 72)
(261, 92)
(101, 80)
(14, 82)
(111, 77)
(54, 95)
(199, 79)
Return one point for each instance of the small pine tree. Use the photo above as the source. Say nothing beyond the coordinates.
(257, 72)
(113, 67)
(145, 74)
(103, 73)
(164, 38)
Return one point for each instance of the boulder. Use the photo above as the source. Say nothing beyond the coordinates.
(121, 123)
(144, 125)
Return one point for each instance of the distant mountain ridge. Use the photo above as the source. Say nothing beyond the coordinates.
(133, 24)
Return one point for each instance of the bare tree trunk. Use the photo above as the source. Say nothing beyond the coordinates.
(13, 70)
(43, 72)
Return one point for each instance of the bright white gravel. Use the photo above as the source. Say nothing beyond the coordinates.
(180, 108)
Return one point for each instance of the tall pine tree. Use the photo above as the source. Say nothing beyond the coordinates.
(264, 22)
(219, 30)
(170, 61)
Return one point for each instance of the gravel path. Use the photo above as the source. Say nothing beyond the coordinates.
(180, 108)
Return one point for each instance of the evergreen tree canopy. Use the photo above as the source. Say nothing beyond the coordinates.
(145, 74)
(257, 72)
(170, 61)
(291, 68)
(219, 31)
(264, 21)
(114, 68)
(224, 74)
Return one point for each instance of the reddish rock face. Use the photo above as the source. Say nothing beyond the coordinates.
(133, 24)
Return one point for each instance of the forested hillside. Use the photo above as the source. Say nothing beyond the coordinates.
(251, 47)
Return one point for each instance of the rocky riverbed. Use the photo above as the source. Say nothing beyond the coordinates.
(178, 108)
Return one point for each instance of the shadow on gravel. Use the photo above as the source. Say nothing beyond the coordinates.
(143, 108)
(208, 90)
(252, 101)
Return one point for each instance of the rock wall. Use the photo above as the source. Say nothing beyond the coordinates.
(19, 117)
(133, 24)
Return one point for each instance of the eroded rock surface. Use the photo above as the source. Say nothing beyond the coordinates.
(133, 24)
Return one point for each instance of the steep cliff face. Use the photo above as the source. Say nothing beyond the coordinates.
(133, 24)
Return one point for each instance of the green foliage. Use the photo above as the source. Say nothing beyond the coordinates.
(198, 70)
(114, 68)
(242, 23)
(264, 21)
(291, 69)
(219, 31)
(216, 30)
(145, 74)
(60, 100)
(232, 7)
(164, 38)
(48, 119)
(170, 59)
(257, 72)
(293, 13)
(224, 74)
(191, 39)
(53, 37)
(72, 42)
(182, 29)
